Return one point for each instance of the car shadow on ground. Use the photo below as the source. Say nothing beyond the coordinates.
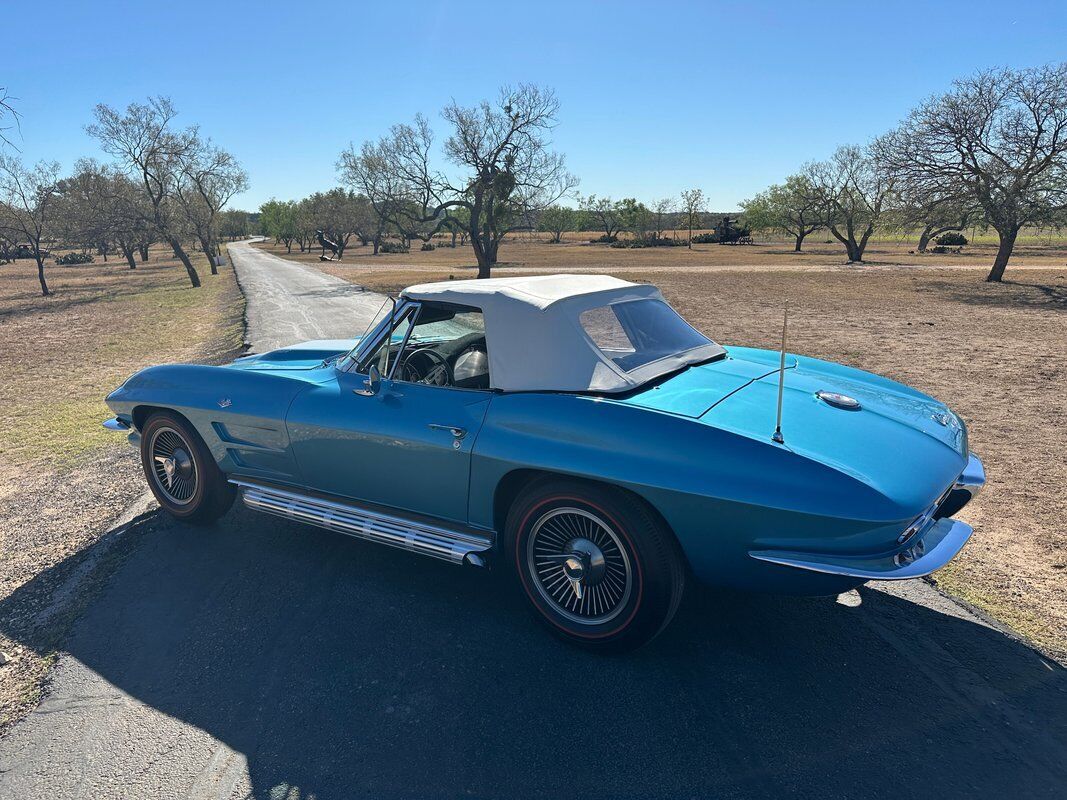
(342, 668)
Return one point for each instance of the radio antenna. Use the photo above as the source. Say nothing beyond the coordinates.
(777, 435)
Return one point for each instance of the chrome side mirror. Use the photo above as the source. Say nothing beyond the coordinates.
(373, 384)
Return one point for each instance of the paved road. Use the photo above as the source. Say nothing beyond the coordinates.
(290, 302)
(264, 659)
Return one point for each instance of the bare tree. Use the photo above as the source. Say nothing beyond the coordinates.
(208, 179)
(933, 216)
(373, 173)
(794, 207)
(234, 224)
(339, 215)
(29, 199)
(507, 172)
(662, 213)
(8, 114)
(692, 206)
(603, 212)
(152, 152)
(854, 192)
(998, 138)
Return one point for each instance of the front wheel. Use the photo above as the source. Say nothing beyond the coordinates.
(599, 568)
(181, 471)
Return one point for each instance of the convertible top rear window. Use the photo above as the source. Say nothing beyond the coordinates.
(634, 333)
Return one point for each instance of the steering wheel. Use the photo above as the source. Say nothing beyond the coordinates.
(437, 373)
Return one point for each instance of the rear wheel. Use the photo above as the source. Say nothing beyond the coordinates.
(181, 472)
(599, 568)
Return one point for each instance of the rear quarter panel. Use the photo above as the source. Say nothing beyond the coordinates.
(722, 494)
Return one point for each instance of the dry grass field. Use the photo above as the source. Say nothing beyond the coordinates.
(531, 252)
(62, 476)
(995, 353)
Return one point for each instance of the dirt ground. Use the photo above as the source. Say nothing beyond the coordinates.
(63, 478)
(994, 352)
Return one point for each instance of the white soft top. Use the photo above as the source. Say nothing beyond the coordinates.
(534, 336)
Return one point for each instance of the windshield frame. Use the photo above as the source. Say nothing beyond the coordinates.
(351, 359)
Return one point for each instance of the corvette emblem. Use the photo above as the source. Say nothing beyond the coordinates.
(942, 419)
(225, 402)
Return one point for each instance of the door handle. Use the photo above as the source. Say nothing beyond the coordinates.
(457, 432)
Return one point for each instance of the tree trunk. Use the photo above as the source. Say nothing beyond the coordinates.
(144, 252)
(209, 251)
(45, 291)
(377, 244)
(176, 246)
(1000, 263)
(800, 240)
(481, 252)
(127, 251)
(924, 238)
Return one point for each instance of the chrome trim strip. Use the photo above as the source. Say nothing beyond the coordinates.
(117, 425)
(972, 480)
(940, 544)
(430, 540)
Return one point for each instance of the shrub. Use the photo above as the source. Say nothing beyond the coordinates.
(393, 247)
(942, 249)
(951, 239)
(605, 239)
(706, 238)
(427, 246)
(648, 241)
(74, 258)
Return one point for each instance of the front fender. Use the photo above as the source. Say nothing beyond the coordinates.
(239, 414)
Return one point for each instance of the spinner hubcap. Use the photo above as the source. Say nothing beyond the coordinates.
(172, 466)
(579, 565)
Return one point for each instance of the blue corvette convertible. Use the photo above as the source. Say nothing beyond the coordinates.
(577, 432)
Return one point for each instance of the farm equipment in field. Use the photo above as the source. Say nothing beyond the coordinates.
(730, 231)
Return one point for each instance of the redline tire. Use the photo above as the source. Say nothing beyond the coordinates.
(629, 570)
(181, 472)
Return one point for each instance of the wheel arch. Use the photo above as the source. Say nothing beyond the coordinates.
(512, 484)
(141, 413)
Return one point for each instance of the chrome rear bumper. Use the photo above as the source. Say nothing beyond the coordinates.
(927, 552)
(970, 482)
(930, 552)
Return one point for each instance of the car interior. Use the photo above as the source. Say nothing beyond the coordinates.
(437, 344)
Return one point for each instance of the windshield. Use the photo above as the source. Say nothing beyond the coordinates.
(637, 332)
(385, 310)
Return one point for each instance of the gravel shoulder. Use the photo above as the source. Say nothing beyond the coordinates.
(65, 482)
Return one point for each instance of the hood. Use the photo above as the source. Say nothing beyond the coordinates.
(903, 443)
(303, 356)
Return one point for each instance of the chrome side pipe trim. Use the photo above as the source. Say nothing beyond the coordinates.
(456, 547)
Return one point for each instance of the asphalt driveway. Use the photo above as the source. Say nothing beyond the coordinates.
(260, 658)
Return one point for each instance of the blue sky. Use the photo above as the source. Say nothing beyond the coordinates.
(656, 97)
